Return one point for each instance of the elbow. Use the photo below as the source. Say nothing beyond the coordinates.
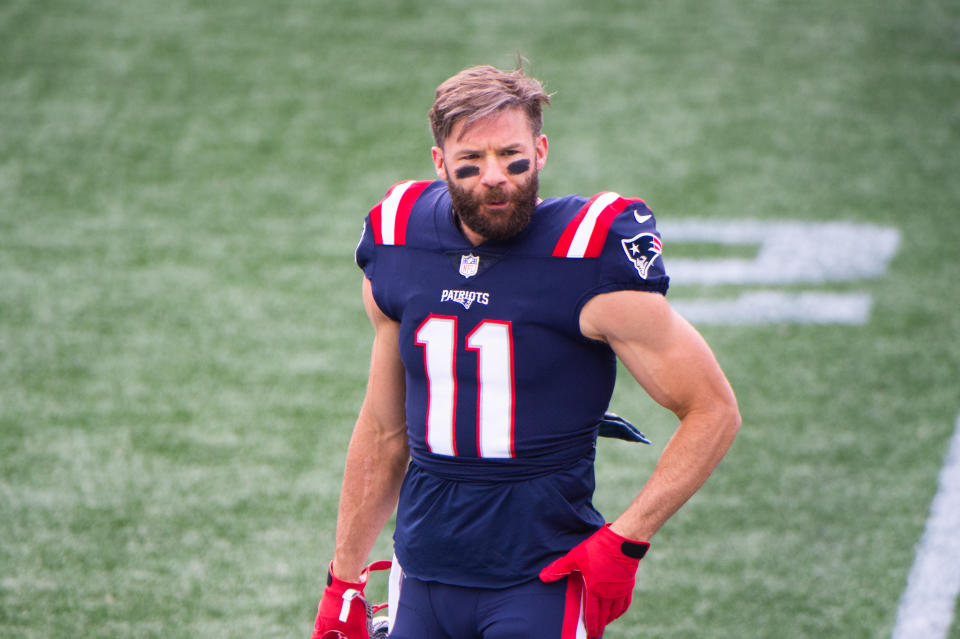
(719, 420)
(733, 414)
(724, 419)
(731, 419)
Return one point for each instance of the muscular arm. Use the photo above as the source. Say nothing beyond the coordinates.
(377, 455)
(675, 366)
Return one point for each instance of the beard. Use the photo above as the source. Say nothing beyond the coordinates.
(496, 225)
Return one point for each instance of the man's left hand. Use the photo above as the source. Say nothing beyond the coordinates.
(608, 563)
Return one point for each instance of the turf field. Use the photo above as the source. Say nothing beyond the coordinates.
(183, 350)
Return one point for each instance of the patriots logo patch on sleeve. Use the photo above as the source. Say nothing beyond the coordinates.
(642, 250)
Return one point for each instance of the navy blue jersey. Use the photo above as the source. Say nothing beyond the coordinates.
(503, 392)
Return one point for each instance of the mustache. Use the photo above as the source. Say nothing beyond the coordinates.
(496, 194)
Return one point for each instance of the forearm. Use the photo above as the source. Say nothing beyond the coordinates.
(375, 465)
(692, 454)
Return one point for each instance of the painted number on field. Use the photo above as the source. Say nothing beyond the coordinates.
(790, 253)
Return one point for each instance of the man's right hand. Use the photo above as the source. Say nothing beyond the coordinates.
(343, 612)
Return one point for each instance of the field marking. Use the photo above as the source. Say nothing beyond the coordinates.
(771, 307)
(788, 253)
(926, 607)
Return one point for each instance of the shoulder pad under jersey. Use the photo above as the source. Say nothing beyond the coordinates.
(586, 233)
(389, 218)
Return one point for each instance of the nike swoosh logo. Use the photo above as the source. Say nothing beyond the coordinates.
(641, 218)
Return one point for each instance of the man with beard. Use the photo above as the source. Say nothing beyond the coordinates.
(498, 321)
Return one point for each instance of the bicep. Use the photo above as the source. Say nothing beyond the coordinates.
(662, 351)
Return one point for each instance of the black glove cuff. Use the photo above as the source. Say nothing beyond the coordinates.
(634, 549)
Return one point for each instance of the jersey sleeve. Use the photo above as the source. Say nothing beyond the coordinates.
(384, 231)
(366, 250)
(617, 239)
(368, 256)
(632, 254)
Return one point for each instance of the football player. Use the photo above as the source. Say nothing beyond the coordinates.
(499, 317)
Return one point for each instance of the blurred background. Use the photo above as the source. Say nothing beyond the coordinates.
(183, 350)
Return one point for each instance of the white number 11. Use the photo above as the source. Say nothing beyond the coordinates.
(493, 342)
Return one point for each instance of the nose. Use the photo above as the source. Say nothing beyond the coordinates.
(491, 173)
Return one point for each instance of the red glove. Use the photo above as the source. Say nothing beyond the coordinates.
(343, 612)
(608, 564)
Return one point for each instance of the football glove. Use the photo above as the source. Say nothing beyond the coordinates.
(608, 565)
(343, 612)
(616, 427)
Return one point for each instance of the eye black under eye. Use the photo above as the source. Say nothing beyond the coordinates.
(467, 171)
(518, 167)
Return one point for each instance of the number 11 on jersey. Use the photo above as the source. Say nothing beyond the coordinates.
(492, 341)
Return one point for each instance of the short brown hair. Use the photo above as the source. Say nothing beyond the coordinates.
(481, 91)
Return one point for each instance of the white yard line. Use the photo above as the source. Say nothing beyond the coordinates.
(927, 605)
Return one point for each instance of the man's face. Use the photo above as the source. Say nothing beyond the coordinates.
(491, 171)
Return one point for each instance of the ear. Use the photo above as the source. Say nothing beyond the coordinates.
(541, 147)
(438, 164)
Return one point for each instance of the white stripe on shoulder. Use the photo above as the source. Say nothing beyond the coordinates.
(578, 246)
(388, 212)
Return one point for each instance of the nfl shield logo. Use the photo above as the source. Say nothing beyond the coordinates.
(469, 264)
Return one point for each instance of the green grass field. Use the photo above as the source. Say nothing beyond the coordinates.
(183, 349)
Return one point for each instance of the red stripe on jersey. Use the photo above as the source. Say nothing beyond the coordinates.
(602, 227)
(404, 209)
(573, 609)
(375, 223)
(563, 244)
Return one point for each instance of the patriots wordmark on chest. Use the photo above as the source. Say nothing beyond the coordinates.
(465, 298)
(469, 265)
